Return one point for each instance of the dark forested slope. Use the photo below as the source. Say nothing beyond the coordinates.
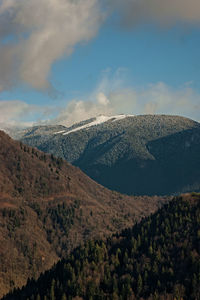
(159, 258)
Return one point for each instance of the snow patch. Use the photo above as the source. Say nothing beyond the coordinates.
(62, 131)
(99, 120)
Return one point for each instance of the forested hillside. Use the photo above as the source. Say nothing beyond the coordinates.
(135, 155)
(159, 258)
(47, 207)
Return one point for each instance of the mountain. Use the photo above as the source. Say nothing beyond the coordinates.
(141, 155)
(159, 258)
(48, 206)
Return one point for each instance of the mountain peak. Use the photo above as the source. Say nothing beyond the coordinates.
(141, 154)
(92, 122)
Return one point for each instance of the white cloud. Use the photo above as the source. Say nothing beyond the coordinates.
(102, 99)
(12, 110)
(35, 33)
(79, 110)
(110, 98)
(158, 98)
(20, 114)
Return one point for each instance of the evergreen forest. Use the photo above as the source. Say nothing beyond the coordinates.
(158, 258)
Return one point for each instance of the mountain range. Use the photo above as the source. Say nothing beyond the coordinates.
(135, 155)
(48, 207)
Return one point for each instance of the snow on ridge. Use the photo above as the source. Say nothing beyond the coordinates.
(99, 120)
(120, 117)
(62, 131)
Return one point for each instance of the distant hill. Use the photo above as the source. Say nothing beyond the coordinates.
(47, 207)
(159, 258)
(140, 155)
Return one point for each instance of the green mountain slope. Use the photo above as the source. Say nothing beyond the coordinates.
(150, 154)
(159, 258)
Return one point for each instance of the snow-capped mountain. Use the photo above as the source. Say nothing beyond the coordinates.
(147, 154)
(94, 122)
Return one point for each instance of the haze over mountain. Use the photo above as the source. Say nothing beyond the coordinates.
(48, 206)
(145, 154)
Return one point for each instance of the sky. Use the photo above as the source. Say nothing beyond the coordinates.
(63, 61)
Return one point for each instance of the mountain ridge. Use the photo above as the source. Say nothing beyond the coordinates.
(115, 152)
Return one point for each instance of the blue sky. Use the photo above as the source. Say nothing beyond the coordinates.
(150, 66)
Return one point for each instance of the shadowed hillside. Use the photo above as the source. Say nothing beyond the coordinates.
(47, 207)
(159, 258)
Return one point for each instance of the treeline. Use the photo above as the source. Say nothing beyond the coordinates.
(159, 258)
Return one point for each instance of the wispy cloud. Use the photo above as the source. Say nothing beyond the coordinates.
(36, 33)
(109, 98)
(16, 113)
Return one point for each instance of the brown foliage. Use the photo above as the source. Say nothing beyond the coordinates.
(47, 207)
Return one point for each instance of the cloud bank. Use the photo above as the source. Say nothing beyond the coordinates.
(16, 113)
(36, 33)
(12, 113)
(109, 98)
(161, 12)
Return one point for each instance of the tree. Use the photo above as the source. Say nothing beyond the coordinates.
(64, 297)
(139, 285)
